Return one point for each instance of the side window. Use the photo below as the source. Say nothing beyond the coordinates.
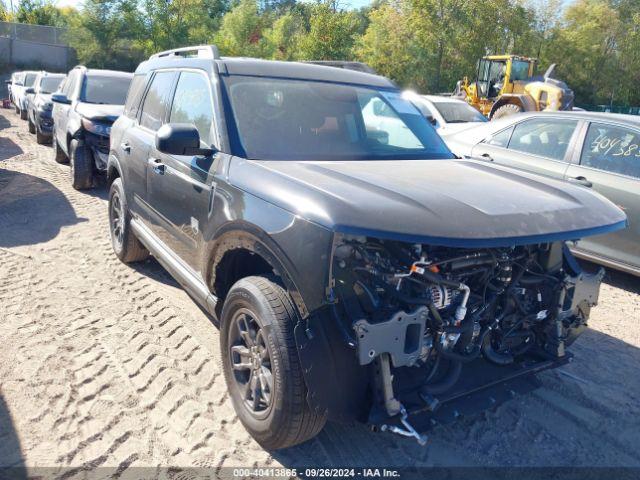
(155, 102)
(545, 137)
(61, 87)
(500, 139)
(133, 97)
(71, 84)
(613, 149)
(192, 104)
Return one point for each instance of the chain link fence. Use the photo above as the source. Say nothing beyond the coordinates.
(33, 33)
(612, 109)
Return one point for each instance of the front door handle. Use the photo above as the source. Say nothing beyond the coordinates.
(486, 156)
(581, 181)
(126, 147)
(158, 166)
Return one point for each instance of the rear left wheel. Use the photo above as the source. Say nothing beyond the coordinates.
(23, 114)
(125, 244)
(261, 364)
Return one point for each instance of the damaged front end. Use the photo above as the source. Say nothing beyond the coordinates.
(423, 318)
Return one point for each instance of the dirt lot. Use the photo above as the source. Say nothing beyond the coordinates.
(102, 364)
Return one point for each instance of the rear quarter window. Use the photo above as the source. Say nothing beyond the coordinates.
(132, 106)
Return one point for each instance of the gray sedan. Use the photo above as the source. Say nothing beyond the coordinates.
(597, 150)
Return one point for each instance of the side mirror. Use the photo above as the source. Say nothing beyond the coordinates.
(30, 90)
(431, 119)
(180, 139)
(60, 98)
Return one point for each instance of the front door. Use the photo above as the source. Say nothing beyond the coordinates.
(61, 110)
(610, 164)
(180, 187)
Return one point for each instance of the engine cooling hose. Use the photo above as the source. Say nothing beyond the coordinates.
(452, 376)
(493, 356)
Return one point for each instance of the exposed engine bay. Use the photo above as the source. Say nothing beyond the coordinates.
(422, 312)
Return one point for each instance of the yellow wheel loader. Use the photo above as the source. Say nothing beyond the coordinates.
(506, 84)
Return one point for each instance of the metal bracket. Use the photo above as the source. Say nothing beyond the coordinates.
(400, 337)
(407, 431)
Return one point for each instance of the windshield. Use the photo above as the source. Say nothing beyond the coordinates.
(458, 112)
(50, 84)
(29, 79)
(279, 119)
(519, 70)
(106, 90)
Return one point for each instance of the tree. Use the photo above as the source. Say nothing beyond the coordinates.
(283, 38)
(388, 45)
(241, 33)
(331, 34)
(586, 49)
(38, 12)
(104, 34)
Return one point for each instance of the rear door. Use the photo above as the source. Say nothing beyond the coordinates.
(141, 143)
(180, 186)
(609, 162)
(132, 146)
(537, 145)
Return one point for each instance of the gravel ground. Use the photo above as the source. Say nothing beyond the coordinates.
(106, 365)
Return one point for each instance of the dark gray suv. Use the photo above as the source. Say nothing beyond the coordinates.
(353, 263)
(83, 112)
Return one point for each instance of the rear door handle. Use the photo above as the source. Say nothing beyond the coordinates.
(158, 166)
(126, 147)
(581, 181)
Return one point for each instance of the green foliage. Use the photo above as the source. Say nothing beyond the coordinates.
(389, 47)
(331, 34)
(241, 33)
(39, 12)
(283, 37)
(424, 44)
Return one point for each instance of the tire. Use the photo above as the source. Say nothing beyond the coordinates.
(32, 127)
(41, 138)
(81, 163)
(17, 109)
(58, 154)
(506, 110)
(276, 415)
(125, 244)
(23, 114)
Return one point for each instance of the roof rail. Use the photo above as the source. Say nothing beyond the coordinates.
(201, 51)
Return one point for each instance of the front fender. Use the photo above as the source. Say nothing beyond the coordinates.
(243, 235)
(114, 169)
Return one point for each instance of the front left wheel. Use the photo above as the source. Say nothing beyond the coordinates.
(261, 365)
(32, 127)
(41, 138)
(81, 163)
